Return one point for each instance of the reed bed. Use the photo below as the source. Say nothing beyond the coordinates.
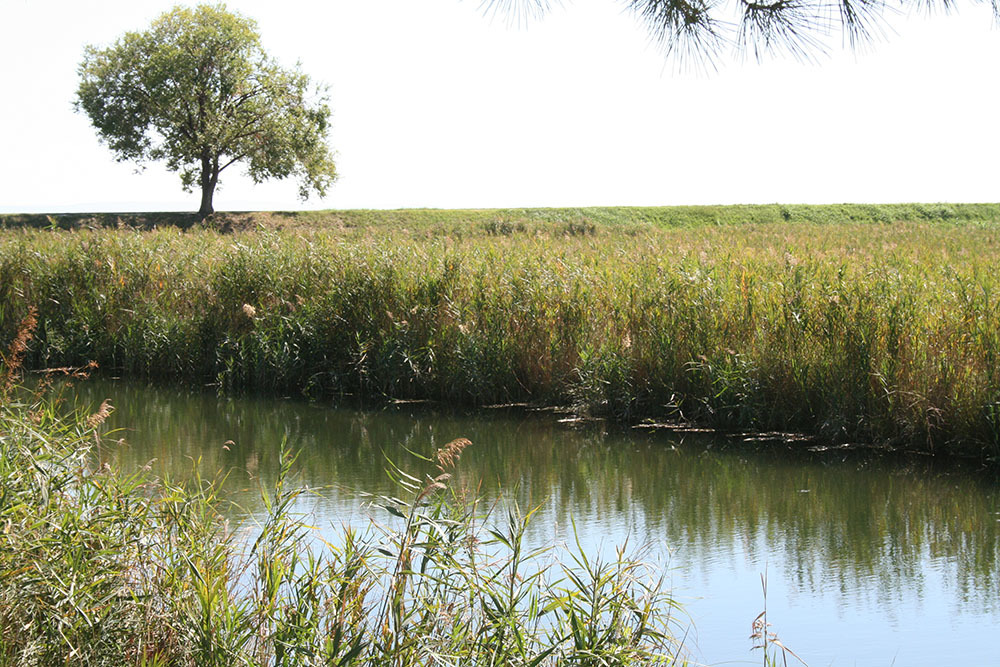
(101, 566)
(883, 333)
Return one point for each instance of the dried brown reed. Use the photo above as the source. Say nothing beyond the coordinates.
(11, 363)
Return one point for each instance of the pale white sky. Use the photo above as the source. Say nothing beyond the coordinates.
(435, 105)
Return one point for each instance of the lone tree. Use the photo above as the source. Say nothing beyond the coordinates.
(197, 91)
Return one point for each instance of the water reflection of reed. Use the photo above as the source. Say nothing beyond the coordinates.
(844, 526)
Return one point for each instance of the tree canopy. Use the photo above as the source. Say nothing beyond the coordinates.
(197, 90)
(704, 29)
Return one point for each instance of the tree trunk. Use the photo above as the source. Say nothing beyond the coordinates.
(206, 201)
(209, 179)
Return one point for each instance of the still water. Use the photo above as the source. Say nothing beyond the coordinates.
(869, 560)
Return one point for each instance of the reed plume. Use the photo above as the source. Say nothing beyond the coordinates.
(14, 359)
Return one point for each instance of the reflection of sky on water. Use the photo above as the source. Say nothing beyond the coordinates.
(868, 560)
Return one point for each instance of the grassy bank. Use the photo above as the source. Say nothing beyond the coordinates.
(850, 330)
(507, 221)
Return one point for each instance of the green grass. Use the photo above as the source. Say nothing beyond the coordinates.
(841, 322)
(506, 221)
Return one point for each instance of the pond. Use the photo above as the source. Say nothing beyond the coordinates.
(870, 560)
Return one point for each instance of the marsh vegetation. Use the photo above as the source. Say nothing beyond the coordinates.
(874, 332)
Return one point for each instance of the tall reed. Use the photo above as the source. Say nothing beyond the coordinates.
(886, 333)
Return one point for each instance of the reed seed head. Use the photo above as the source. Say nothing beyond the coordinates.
(98, 418)
(447, 457)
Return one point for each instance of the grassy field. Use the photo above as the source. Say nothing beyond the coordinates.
(506, 221)
(877, 324)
